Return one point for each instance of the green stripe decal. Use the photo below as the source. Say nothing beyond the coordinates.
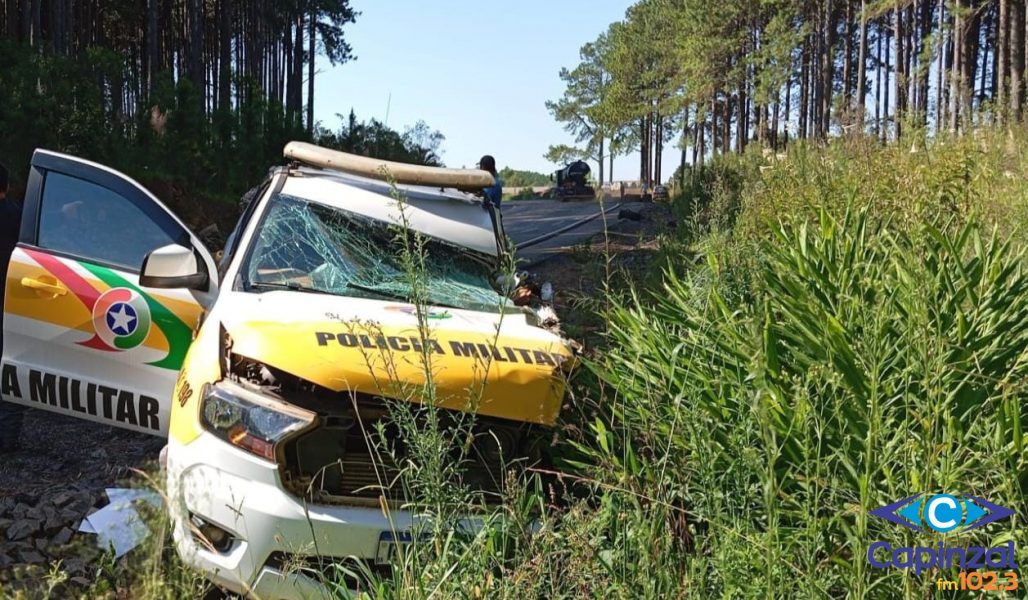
(178, 333)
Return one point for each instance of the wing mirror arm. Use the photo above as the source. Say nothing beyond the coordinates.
(174, 267)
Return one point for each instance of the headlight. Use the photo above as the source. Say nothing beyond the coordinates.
(249, 420)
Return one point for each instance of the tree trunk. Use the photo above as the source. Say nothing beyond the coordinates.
(923, 73)
(847, 56)
(11, 19)
(196, 45)
(610, 172)
(913, 58)
(742, 125)
(1002, 54)
(697, 137)
(804, 90)
(788, 113)
(956, 85)
(225, 48)
(298, 51)
(26, 22)
(817, 74)
(658, 156)
(1017, 25)
(37, 24)
(878, 82)
(153, 46)
(683, 143)
(828, 67)
(726, 125)
(969, 64)
(885, 86)
(643, 140)
(940, 69)
(651, 146)
(862, 66)
(312, 35)
(703, 136)
(901, 74)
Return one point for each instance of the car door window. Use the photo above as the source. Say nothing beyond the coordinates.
(90, 221)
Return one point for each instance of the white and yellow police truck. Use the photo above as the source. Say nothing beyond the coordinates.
(270, 369)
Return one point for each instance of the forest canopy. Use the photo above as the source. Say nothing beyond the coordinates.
(708, 82)
(204, 91)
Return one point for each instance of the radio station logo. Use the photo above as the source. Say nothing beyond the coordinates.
(942, 512)
(980, 568)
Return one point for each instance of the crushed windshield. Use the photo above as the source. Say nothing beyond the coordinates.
(308, 246)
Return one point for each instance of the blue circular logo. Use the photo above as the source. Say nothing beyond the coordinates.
(943, 513)
(122, 318)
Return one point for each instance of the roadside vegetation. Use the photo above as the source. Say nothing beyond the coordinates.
(826, 331)
(833, 329)
(523, 179)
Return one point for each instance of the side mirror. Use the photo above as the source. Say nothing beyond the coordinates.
(173, 267)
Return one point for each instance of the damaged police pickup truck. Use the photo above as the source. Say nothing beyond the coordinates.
(270, 369)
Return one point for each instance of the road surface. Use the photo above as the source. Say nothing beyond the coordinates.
(527, 220)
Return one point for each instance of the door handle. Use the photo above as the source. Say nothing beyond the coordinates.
(43, 286)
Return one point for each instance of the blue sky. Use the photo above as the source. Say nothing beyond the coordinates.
(479, 72)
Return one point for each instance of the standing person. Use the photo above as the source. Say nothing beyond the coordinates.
(10, 224)
(493, 194)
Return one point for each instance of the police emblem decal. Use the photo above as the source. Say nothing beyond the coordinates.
(121, 318)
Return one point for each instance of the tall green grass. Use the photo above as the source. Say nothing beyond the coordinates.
(873, 363)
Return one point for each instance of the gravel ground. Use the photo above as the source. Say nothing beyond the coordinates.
(48, 486)
(59, 451)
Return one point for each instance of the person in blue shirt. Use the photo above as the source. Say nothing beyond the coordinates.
(493, 194)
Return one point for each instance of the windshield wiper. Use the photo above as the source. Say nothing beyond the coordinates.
(396, 295)
(378, 292)
(291, 286)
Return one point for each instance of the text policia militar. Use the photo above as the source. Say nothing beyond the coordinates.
(393, 343)
(98, 400)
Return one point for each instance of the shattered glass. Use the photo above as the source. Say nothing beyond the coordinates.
(309, 246)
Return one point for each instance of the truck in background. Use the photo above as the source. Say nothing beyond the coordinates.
(573, 182)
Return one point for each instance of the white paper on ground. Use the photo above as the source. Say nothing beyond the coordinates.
(86, 526)
(126, 496)
(118, 525)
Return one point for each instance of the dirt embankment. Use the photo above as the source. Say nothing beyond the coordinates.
(585, 275)
(210, 219)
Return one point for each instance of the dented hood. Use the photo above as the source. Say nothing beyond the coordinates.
(497, 365)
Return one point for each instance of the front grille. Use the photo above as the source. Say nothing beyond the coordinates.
(358, 455)
(354, 452)
(341, 458)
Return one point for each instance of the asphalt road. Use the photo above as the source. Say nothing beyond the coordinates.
(526, 220)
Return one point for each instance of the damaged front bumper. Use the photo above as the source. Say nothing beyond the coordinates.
(243, 496)
(276, 450)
